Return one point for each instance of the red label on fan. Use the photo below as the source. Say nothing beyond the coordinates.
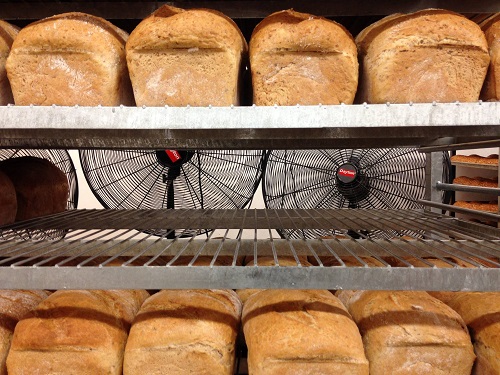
(346, 172)
(173, 155)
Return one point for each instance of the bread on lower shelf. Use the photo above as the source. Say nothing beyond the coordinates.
(70, 59)
(476, 181)
(299, 58)
(301, 332)
(180, 57)
(8, 33)
(481, 313)
(81, 331)
(478, 205)
(410, 333)
(491, 28)
(476, 159)
(8, 200)
(430, 55)
(41, 187)
(184, 332)
(14, 306)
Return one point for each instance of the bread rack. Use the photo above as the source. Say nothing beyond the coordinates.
(95, 239)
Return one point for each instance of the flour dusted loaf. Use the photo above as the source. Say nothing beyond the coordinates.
(8, 33)
(14, 305)
(69, 59)
(481, 313)
(81, 332)
(8, 200)
(429, 55)
(184, 332)
(491, 88)
(410, 333)
(301, 332)
(41, 187)
(180, 57)
(299, 58)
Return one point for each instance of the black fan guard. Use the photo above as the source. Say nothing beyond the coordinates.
(61, 159)
(156, 179)
(346, 178)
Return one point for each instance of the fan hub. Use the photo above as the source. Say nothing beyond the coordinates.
(352, 183)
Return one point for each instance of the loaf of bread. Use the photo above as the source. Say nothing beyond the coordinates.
(476, 159)
(298, 58)
(184, 332)
(183, 57)
(8, 200)
(429, 55)
(478, 205)
(82, 332)
(14, 306)
(481, 313)
(301, 332)
(41, 187)
(8, 33)
(491, 29)
(410, 333)
(476, 181)
(70, 59)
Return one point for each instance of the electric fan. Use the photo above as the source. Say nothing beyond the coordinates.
(154, 179)
(345, 178)
(62, 160)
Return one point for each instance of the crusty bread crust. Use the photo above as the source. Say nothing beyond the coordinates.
(299, 58)
(429, 55)
(491, 29)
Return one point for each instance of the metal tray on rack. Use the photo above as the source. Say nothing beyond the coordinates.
(412, 250)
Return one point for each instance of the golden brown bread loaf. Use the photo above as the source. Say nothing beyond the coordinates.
(481, 313)
(69, 59)
(8, 200)
(301, 332)
(41, 187)
(476, 159)
(478, 205)
(491, 29)
(476, 181)
(8, 33)
(410, 333)
(429, 55)
(184, 332)
(299, 58)
(83, 331)
(14, 306)
(183, 57)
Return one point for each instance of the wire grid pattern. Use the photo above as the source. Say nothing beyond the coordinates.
(306, 179)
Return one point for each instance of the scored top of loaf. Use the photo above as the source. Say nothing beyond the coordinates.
(289, 30)
(412, 30)
(88, 33)
(170, 28)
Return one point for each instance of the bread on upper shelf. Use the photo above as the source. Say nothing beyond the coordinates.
(41, 187)
(299, 58)
(8, 33)
(70, 59)
(184, 332)
(481, 313)
(82, 332)
(410, 332)
(180, 57)
(430, 55)
(476, 159)
(491, 28)
(476, 181)
(301, 332)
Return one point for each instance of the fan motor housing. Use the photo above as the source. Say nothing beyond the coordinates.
(352, 183)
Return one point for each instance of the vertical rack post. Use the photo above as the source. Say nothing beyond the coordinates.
(433, 174)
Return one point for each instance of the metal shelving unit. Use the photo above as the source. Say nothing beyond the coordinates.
(74, 249)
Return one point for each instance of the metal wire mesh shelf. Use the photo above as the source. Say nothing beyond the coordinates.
(109, 249)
